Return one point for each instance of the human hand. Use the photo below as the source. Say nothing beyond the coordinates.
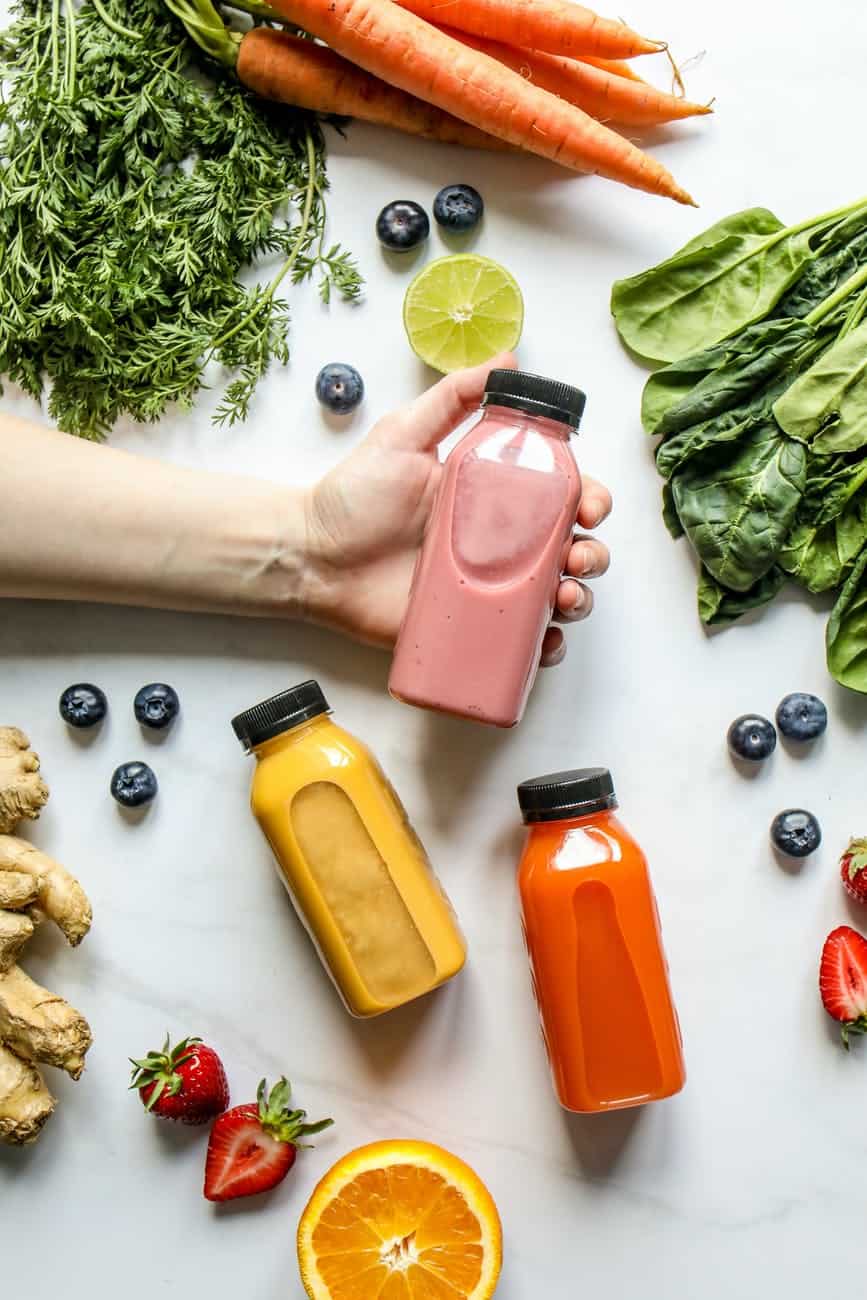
(366, 519)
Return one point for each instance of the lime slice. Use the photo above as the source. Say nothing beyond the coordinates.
(461, 311)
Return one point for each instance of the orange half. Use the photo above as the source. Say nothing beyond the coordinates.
(400, 1221)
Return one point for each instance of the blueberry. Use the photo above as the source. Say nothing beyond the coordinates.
(83, 705)
(752, 737)
(458, 207)
(133, 784)
(402, 225)
(801, 716)
(795, 833)
(156, 705)
(339, 387)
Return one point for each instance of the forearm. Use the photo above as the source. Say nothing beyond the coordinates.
(84, 522)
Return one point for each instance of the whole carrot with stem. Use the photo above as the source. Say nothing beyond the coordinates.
(404, 50)
(290, 70)
(608, 97)
(286, 68)
(557, 26)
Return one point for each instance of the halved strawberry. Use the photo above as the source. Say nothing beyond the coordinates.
(843, 980)
(853, 870)
(252, 1148)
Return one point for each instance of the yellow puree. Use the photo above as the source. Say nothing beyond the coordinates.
(355, 869)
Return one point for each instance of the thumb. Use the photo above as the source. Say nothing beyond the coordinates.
(435, 414)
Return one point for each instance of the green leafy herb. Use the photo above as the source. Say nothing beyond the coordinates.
(737, 506)
(761, 412)
(846, 634)
(706, 384)
(137, 182)
(827, 405)
(716, 604)
(718, 283)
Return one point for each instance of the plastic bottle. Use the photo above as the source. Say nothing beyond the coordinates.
(486, 579)
(593, 937)
(355, 870)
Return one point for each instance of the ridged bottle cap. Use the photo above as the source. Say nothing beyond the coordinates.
(535, 395)
(575, 793)
(280, 713)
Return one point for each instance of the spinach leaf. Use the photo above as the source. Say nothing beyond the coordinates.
(846, 633)
(819, 554)
(670, 517)
(723, 280)
(674, 453)
(717, 604)
(827, 405)
(729, 425)
(829, 491)
(839, 256)
(737, 503)
(704, 384)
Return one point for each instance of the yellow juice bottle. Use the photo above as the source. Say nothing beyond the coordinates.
(354, 867)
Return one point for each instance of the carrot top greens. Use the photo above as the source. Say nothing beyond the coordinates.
(134, 189)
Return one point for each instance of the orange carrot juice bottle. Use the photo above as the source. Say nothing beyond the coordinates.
(595, 947)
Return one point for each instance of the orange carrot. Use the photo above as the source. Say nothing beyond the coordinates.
(619, 67)
(557, 26)
(409, 53)
(609, 98)
(286, 68)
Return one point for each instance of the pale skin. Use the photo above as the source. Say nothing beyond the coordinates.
(137, 531)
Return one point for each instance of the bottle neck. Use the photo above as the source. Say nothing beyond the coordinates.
(515, 415)
(290, 736)
(605, 812)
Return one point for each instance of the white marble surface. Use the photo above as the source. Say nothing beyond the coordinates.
(751, 1182)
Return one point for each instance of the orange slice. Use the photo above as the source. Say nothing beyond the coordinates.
(400, 1221)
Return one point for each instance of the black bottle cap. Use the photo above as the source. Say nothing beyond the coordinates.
(576, 793)
(282, 712)
(535, 395)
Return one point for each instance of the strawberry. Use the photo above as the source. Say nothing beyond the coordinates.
(853, 869)
(252, 1148)
(186, 1082)
(843, 980)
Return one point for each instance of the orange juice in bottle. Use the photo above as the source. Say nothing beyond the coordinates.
(593, 937)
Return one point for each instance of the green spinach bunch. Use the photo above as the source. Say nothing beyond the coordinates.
(139, 184)
(760, 406)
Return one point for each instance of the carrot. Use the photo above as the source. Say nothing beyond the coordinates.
(286, 68)
(619, 67)
(605, 96)
(409, 53)
(557, 26)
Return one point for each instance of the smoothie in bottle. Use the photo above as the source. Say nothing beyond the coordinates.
(354, 868)
(486, 580)
(592, 932)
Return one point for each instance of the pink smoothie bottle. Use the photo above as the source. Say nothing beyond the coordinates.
(486, 579)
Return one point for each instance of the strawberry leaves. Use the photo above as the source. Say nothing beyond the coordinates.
(279, 1120)
(856, 857)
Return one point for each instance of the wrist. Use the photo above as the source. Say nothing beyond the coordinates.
(272, 556)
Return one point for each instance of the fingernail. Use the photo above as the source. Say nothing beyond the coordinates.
(596, 516)
(579, 601)
(585, 562)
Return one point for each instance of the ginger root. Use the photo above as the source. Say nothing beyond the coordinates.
(18, 889)
(60, 895)
(22, 791)
(15, 929)
(35, 1026)
(39, 1026)
(25, 1102)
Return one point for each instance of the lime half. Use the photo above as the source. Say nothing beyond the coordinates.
(461, 311)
